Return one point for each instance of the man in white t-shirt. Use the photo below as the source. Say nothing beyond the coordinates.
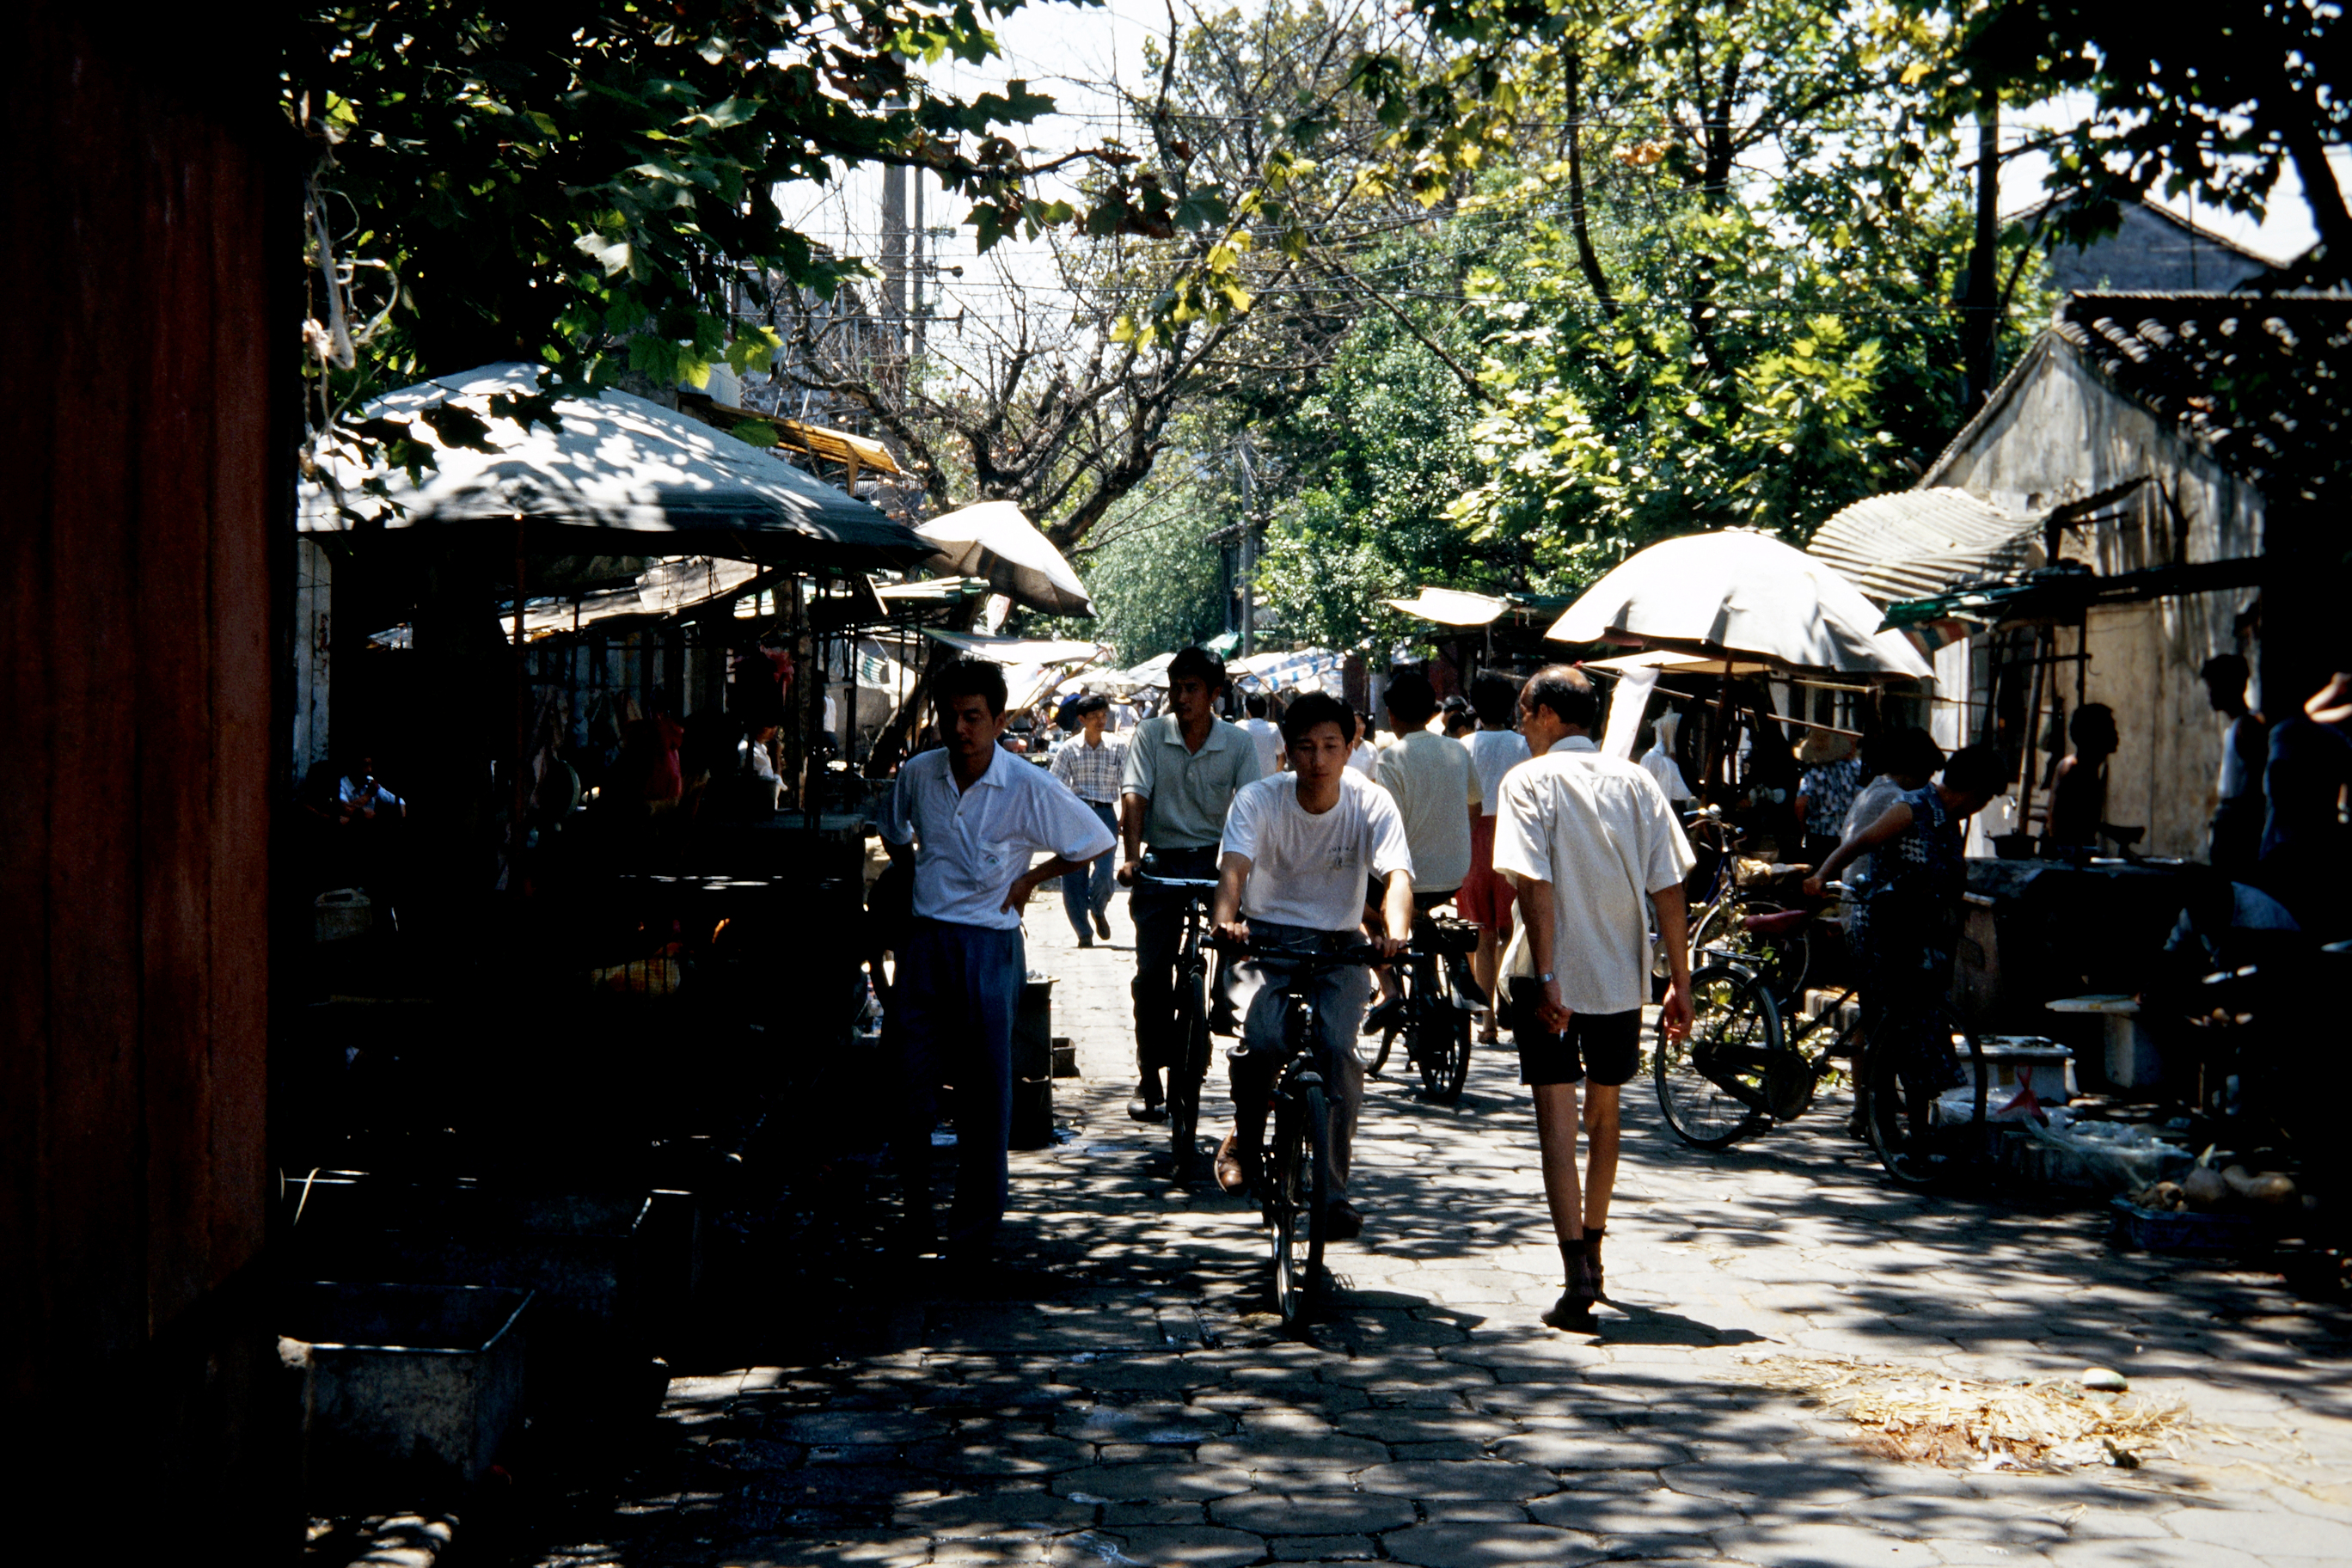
(1429, 776)
(1291, 872)
(1263, 731)
(1588, 840)
(1496, 747)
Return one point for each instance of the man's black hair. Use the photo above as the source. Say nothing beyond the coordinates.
(1912, 751)
(970, 678)
(2229, 668)
(1411, 697)
(2093, 720)
(1495, 697)
(1313, 708)
(1092, 702)
(1568, 692)
(1198, 664)
(1977, 770)
(1256, 704)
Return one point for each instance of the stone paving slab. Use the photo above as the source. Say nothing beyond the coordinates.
(1128, 1403)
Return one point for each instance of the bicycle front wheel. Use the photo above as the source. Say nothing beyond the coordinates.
(1711, 1084)
(1301, 1195)
(1187, 1073)
(1373, 1050)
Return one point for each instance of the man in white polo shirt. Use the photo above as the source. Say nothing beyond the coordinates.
(1290, 874)
(1587, 840)
(971, 816)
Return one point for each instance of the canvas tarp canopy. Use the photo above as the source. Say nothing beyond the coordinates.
(622, 473)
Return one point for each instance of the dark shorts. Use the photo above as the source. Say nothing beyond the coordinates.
(1604, 1046)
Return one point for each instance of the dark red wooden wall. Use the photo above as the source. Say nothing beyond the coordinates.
(137, 340)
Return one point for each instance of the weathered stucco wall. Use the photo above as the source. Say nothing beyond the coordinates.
(2058, 433)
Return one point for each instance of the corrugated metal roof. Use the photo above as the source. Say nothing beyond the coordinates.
(1913, 544)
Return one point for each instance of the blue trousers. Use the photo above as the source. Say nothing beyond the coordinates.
(1085, 891)
(958, 989)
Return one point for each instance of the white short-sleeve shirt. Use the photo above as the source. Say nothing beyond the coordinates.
(1494, 753)
(1268, 737)
(1435, 788)
(971, 845)
(1602, 833)
(1308, 869)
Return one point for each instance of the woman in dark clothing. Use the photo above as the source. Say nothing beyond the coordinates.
(1914, 908)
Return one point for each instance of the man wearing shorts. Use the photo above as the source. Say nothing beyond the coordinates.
(1586, 838)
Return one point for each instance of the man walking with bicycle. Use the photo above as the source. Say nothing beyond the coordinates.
(1297, 851)
(1587, 840)
(969, 817)
(1182, 770)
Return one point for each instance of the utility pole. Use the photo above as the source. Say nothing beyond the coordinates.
(1248, 548)
(1980, 303)
(917, 273)
(894, 264)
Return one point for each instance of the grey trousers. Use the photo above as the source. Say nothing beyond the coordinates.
(1251, 992)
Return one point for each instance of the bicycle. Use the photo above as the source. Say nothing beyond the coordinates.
(1437, 996)
(1294, 1183)
(1189, 1027)
(1741, 1072)
(1719, 920)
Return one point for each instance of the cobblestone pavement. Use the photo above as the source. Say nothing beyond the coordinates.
(1137, 1407)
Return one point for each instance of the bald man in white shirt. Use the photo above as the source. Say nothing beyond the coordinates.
(1588, 840)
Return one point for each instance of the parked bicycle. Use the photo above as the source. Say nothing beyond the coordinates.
(1437, 996)
(1742, 1069)
(1188, 1068)
(1735, 890)
(1294, 1183)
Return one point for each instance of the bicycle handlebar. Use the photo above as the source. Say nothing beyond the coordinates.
(1355, 954)
(1176, 884)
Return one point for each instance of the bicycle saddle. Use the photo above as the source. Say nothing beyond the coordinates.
(1776, 925)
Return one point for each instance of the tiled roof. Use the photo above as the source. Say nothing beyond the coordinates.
(1911, 545)
(2262, 383)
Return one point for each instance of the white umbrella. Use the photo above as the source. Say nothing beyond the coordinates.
(1152, 674)
(1746, 594)
(993, 540)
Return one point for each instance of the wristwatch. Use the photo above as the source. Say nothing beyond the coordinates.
(1546, 979)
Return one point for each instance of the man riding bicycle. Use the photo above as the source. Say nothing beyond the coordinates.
(1296, 849)
(1182, 769)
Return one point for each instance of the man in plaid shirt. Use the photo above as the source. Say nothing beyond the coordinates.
(1090, 763)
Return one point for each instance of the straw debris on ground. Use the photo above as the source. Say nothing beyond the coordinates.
(2048, 1423)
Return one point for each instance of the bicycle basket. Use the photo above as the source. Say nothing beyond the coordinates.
(1454, 936)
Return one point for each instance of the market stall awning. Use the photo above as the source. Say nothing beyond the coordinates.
(851, 451)
(1309, 667)
(622, 472)
(1679, 664)
(994, 542)
(1450, 608)
(2063, 592)
(1737, 593)
(664, 588)
(1909, 544)
(1020, 650)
